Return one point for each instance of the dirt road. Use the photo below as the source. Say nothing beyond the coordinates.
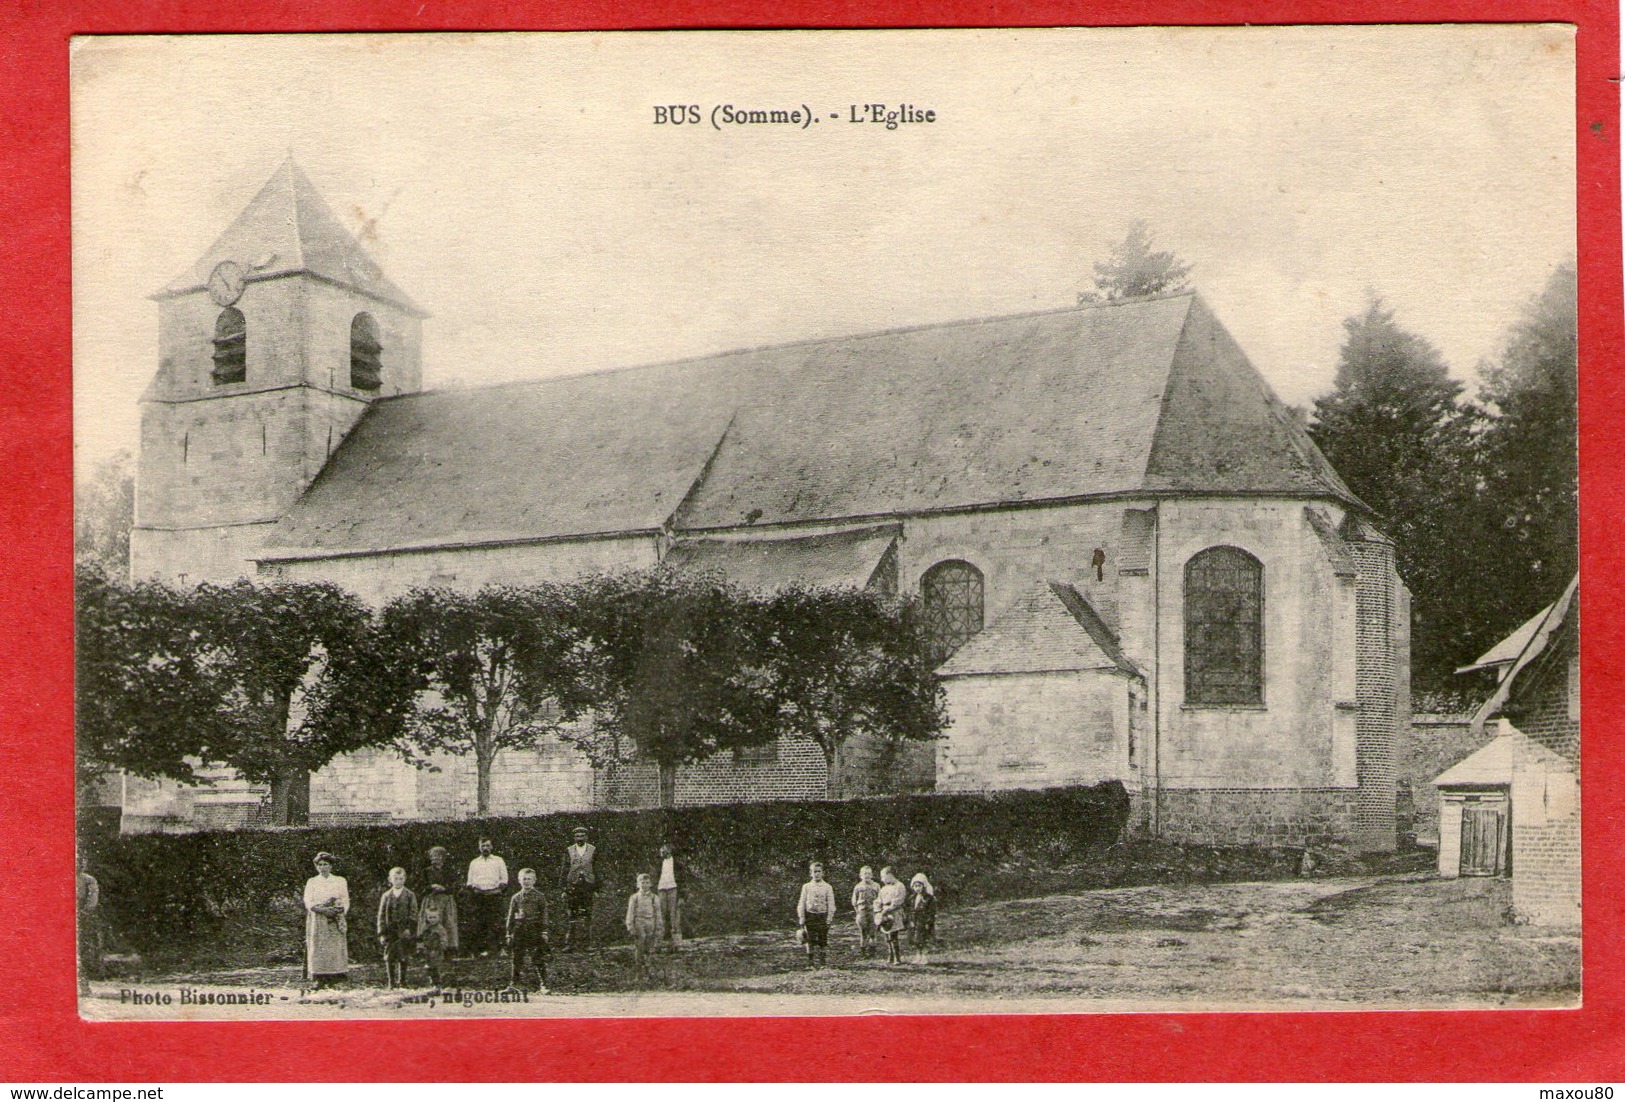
(1412, 941)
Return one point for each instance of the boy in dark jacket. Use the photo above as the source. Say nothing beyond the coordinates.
(397, 926)
(527, 930)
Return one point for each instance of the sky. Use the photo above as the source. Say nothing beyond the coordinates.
(518, 187)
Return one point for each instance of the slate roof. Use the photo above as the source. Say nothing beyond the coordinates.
(1552, 622)
(287, 229)
(1051, 628)
(1507, 650)
(1141, 397)
(1494, 762)
(845, 559)
(1337, 552)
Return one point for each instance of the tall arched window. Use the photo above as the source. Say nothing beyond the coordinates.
(230, 346)
(366, 354)
(951, 593)
(1224, 628)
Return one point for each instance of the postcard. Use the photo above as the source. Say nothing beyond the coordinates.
(826, 522)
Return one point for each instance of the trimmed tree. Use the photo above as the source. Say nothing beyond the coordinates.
(490, 671)
(844, 663)
(1135, 268)
(674, 668)
(303, 677)
(147, 701)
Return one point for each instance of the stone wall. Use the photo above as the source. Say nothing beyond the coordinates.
(380, 578)
(1303, 735)
(1434, 744)
(1377, 662)
(1261, 816)
(219, 462)
(1014, 548)
(1036, 730)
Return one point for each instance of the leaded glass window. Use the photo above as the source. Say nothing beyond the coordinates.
(1224, 628)
(951, 593)
(366, 354)
(230, 346)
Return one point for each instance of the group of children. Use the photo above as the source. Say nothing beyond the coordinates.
(879, 907)
(405, 930)
(884, 907)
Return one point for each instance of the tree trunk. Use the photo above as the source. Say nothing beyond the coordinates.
(482, 786)
(832, 770)
(290, 797)
(668, 784)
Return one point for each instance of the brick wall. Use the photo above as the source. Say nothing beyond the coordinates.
(1260, 816)
(1546, 844)
(1376, 689)
(1434, 744)
(795, 772)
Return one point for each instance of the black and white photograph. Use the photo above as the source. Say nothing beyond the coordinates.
(824, 522)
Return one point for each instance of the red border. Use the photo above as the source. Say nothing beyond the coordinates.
(42, 1039)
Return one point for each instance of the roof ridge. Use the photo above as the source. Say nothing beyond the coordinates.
(294, 173)
(801, 342)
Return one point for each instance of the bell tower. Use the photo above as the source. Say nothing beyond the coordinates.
(271, 347)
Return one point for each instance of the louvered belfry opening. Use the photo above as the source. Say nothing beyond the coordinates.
(951, 593)
(366, 354)
(1224, 628)
(230, 346)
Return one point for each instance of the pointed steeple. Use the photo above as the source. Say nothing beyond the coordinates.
(288, 229)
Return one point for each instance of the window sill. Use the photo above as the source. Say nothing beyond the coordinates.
(1224, 707)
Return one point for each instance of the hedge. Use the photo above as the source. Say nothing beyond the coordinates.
(744, 862)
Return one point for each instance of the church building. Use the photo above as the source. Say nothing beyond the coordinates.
(1136, 565)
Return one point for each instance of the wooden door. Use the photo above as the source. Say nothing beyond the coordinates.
(1482, 852)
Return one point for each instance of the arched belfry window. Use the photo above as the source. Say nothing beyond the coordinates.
(230, 346)
(951, 594)
(366, 354)
(1224, 628)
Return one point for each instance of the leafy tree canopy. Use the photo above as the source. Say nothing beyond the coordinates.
(305, 677)
(1395, 429)
(490, 671)
(147, 698)
(1531, 448)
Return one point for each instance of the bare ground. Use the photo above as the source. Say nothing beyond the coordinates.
(1411, 940)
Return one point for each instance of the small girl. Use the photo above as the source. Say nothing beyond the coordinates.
(922, 911)
(891, 912)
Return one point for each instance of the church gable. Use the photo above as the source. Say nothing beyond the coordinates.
(1050, 629)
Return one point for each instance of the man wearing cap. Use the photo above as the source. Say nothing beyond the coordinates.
(579, 885)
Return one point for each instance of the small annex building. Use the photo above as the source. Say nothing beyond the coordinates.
(1512, 808)
(1135, 564)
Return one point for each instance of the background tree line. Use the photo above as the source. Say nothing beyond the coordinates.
(277, 680)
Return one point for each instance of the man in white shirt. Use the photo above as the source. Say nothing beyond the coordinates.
(814, 910)
(487, 877)
(670, 891)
